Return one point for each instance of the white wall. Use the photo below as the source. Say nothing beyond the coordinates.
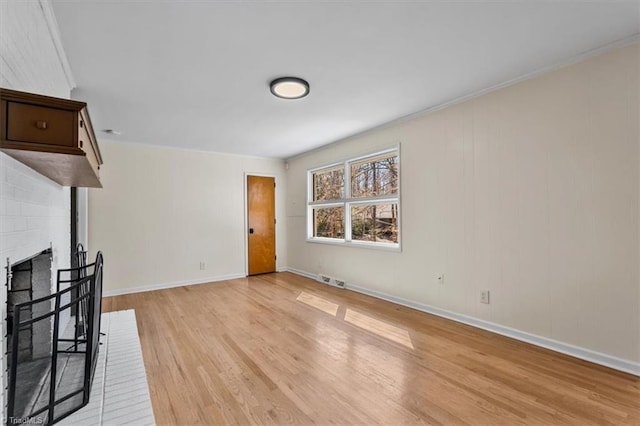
(163, 210)
(34, 211)
(530, 192)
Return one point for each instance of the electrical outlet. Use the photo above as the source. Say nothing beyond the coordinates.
(202, 266)
(441, 279)
(484, 297)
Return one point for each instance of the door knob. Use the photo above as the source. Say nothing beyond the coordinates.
(251, 230)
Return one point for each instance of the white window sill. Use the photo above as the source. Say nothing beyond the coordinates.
(360, 244)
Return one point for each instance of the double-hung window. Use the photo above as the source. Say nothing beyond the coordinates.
(356, 202)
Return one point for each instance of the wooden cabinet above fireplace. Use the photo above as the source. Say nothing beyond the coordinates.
(53, 136)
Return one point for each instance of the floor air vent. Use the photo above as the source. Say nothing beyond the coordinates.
(331, 281)
(324, 279)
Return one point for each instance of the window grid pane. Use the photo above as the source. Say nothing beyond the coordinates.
(375, 223)
(328, 185)
(328, 222)
(372, 177)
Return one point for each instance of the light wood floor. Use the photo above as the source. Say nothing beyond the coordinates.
(283, 349)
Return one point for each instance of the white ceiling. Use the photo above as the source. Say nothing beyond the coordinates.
(194, 74)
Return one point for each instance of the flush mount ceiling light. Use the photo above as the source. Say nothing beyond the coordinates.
(289, 88)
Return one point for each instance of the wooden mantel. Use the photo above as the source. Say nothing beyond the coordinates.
(53, 136)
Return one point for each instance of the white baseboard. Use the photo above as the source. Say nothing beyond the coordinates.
(140, 289)
(610, 361)
(299, 272)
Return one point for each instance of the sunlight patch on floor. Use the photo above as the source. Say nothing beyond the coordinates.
(318, 303)
(378, 327)
(366, 322)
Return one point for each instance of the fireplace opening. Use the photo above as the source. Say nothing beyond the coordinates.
(51, 353)
(30, 279)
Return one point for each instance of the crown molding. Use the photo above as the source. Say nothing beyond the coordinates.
(54, 31)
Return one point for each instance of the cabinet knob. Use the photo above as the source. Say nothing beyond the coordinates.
(42, 125)
(80, 144)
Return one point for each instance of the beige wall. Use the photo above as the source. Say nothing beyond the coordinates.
(530, 192)
(162, 211)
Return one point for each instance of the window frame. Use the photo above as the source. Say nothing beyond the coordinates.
(347, 202)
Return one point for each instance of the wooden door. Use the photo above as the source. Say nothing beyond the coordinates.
(261, 226)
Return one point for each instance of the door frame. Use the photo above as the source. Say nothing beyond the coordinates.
(246, 218)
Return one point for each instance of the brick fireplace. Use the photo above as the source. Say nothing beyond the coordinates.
(34, 211)
(34, 215)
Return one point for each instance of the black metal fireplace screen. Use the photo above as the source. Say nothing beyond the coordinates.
(46, 388)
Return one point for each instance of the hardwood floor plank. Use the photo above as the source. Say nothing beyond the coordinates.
(283, 349)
